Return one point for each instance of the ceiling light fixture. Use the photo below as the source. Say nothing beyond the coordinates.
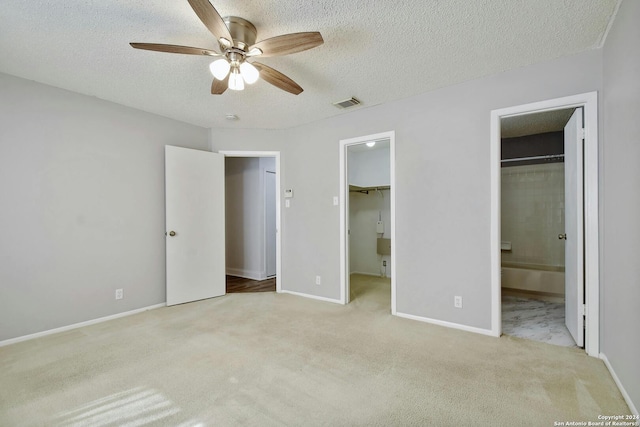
(371, 144)
(220, 68)
(236, 39)
(250, 74)
(235, 80)
(234, 66)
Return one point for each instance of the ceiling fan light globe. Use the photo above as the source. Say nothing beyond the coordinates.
(235, 81)
(250, 74)
(220, 68)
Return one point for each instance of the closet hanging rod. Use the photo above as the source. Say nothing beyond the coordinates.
(524, 159)
(366, 190)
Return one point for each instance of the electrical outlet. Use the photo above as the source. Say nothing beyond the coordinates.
(457, 302)
(318, 280)
(287, 203)
(384, 263)
(119, 294)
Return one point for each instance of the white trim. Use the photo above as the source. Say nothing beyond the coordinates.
(344, 210)
(275, 154)
(446, 324)
(246, 274)
(589, 101)
(494, 245)
(264, 172)
(624, 393)
(79, 325)
(300, 294)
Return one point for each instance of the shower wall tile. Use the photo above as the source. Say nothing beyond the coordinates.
(533, 213)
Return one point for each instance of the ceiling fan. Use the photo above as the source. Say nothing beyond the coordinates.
(237, 41)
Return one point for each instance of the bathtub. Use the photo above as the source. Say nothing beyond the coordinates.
(533, 278)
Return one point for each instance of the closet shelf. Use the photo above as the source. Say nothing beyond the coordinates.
(365, 190)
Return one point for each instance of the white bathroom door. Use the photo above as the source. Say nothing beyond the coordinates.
(195, 209)
(270, 222)
(574, 231)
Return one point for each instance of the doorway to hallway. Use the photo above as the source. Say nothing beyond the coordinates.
(252, 221)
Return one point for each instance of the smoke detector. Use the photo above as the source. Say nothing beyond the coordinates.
(347, 103)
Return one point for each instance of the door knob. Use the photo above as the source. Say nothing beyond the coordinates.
(172, 233)
(562, 236)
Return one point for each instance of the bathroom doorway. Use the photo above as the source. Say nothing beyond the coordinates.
(367, 216)
(533, 200)
(580, 204)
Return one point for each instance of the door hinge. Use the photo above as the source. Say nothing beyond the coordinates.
(582, 133)
(584, 310)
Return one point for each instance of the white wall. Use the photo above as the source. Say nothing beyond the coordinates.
(82, 193)
(369, 168)
(621, 200)
(245, 209)
(244, 240)
(443, 186)
(363, 216)
(532, 214)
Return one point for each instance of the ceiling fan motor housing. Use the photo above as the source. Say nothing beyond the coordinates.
(243, 32)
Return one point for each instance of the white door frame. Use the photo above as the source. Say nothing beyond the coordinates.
(276, 155)
(589, 101)
(344, 211)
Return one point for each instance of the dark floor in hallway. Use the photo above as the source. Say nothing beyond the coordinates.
(240, 284)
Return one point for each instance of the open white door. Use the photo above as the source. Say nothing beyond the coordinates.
(573, 236)
(270, 222)
(194, 203)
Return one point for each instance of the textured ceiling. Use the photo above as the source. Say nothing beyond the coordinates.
(532, 124)
(377, 51)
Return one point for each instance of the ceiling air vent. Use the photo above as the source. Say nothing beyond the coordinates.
(351, 102)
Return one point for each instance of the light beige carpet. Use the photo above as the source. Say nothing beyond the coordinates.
(271, 359)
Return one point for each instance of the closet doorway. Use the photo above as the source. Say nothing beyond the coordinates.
(367, 220)
(252, 211)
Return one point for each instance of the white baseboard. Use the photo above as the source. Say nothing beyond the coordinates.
(626, 396)
(78, 325)
(246, 274)
(488, 332)
(300, 294)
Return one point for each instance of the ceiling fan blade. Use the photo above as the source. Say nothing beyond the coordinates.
(170, 48)
(289, 43)
(278, 79)
(219, 86)
(211, 18)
